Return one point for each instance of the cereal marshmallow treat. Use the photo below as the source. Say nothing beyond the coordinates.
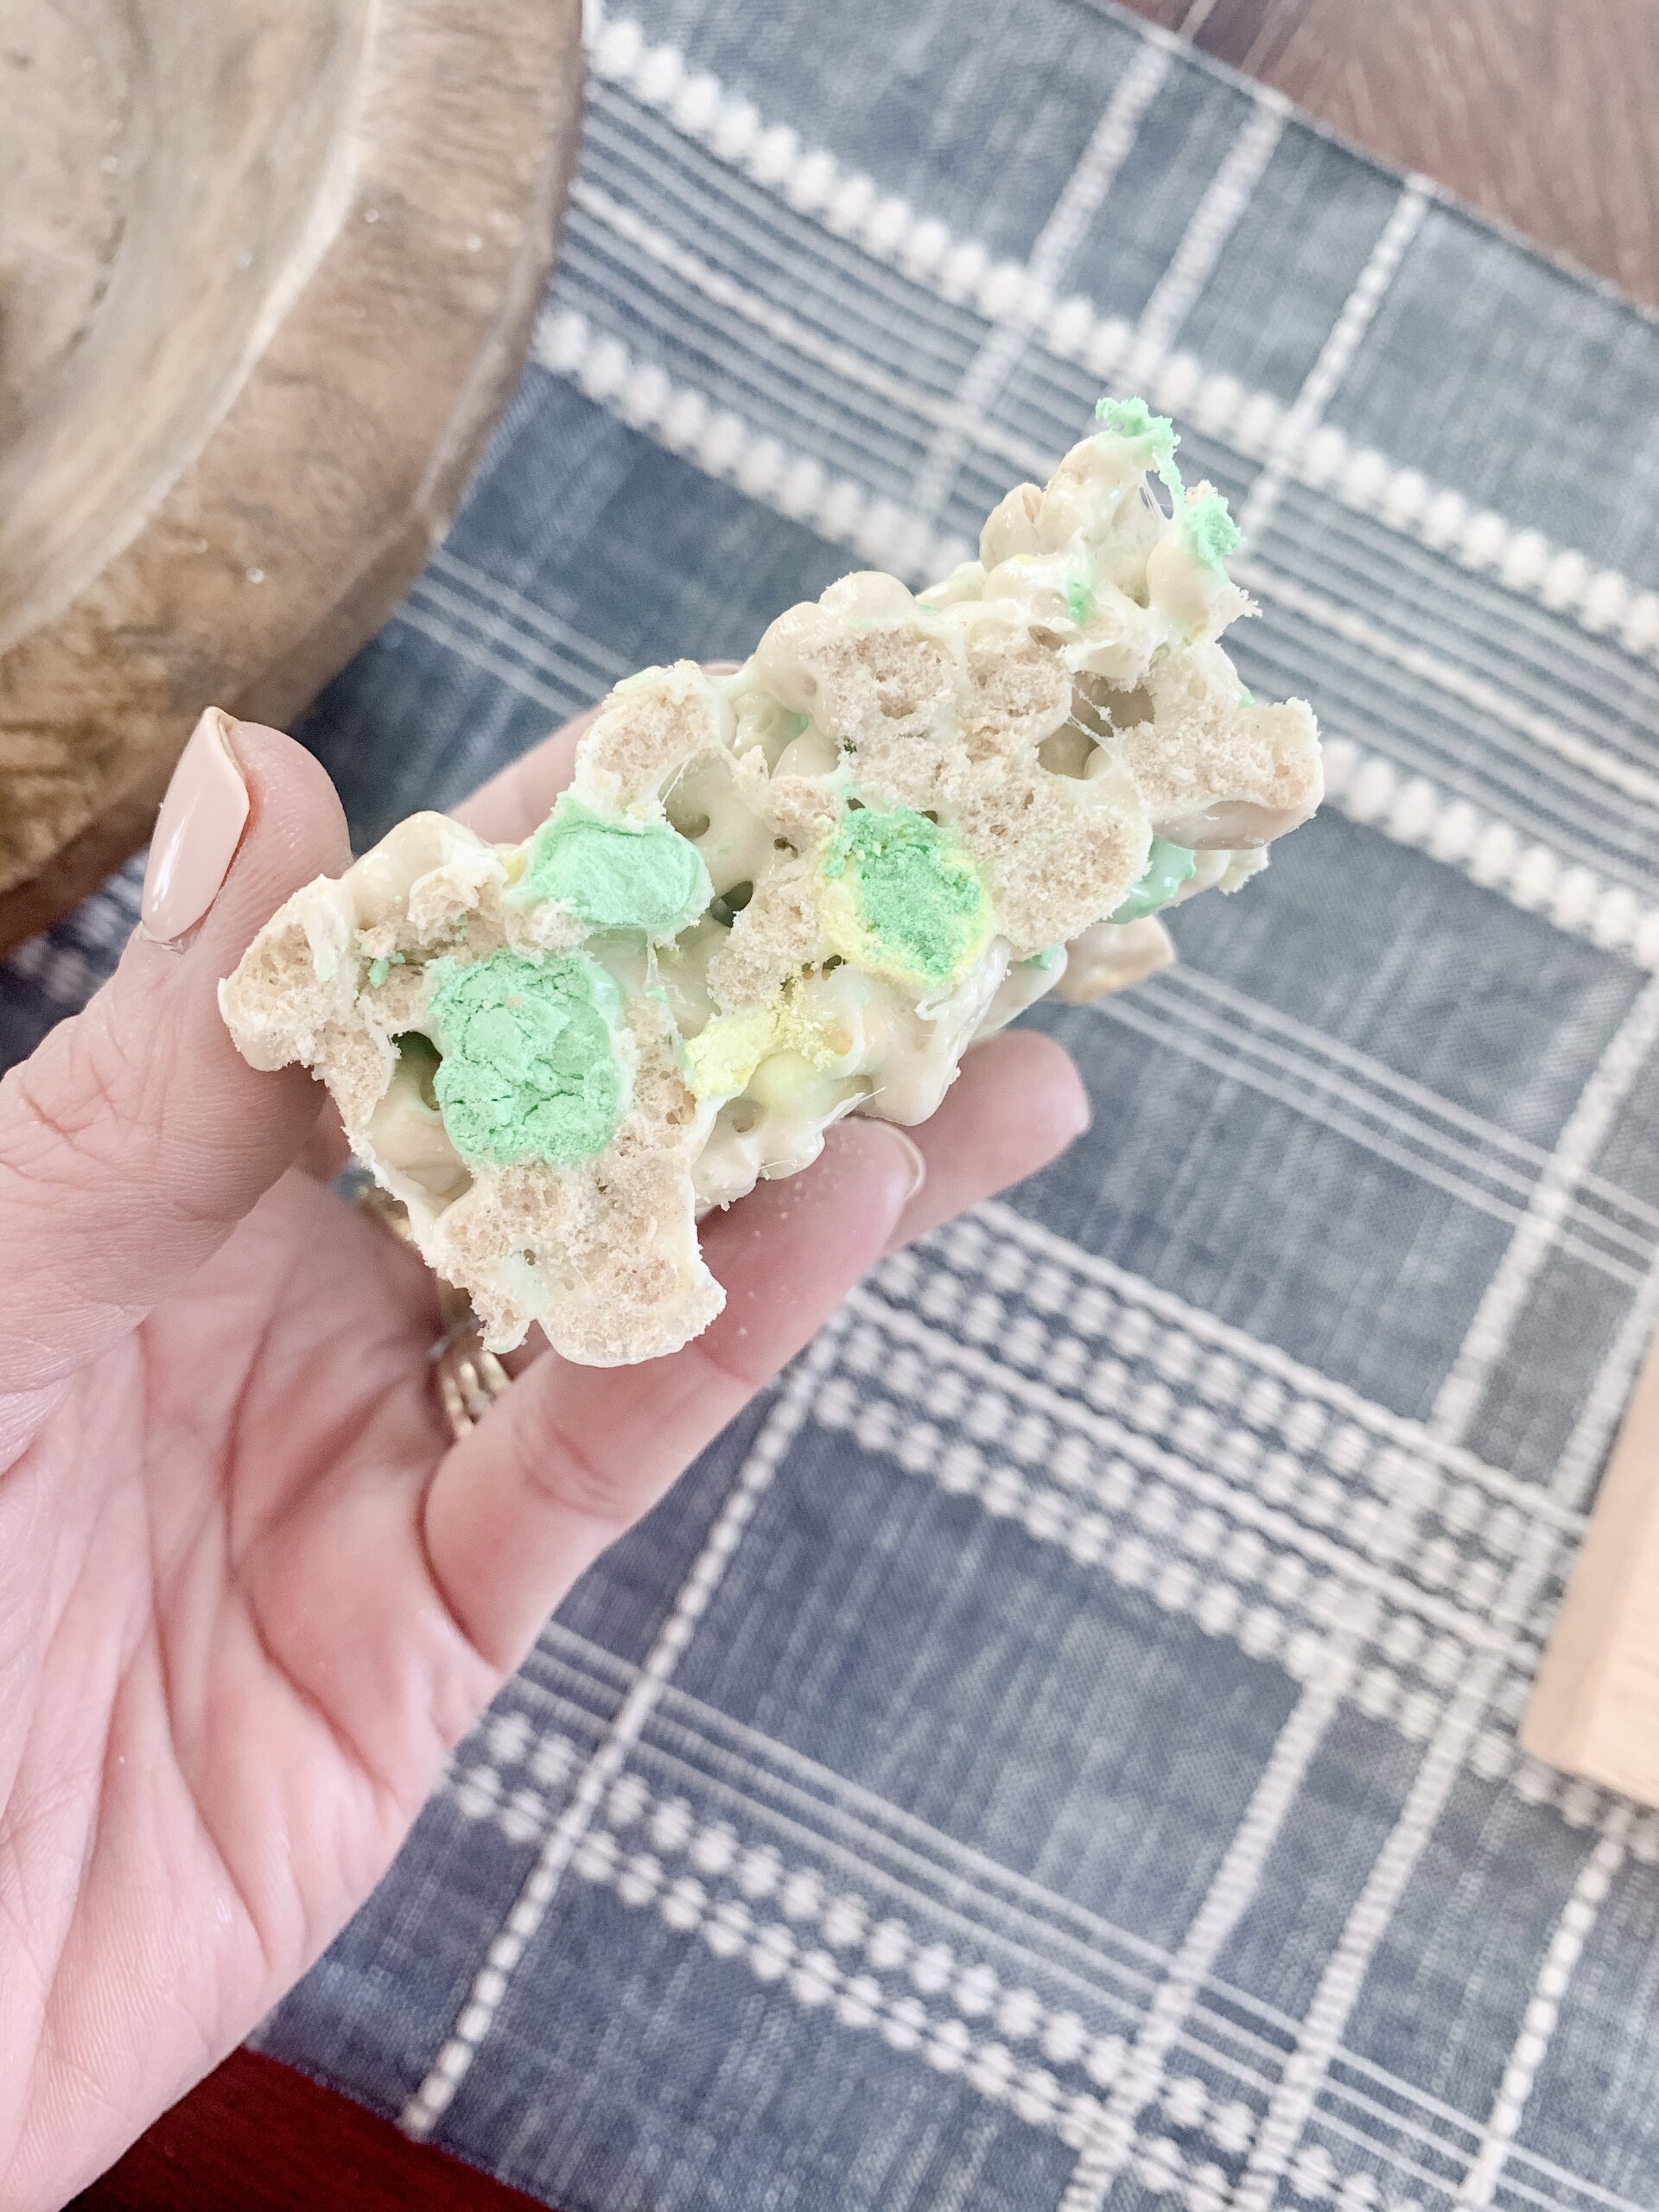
(772, 898)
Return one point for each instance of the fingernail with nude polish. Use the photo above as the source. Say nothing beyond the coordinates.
(197, 832)
(916, 1165)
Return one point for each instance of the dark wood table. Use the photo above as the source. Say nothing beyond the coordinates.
(1539, 112)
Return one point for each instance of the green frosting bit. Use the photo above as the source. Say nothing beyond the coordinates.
(1079, 600)
(1133, 418)
(1212, 533)
(918, 898)
(1049, 956)
(616, 875)
(528, 1070)
(1247, 698)
(379, 970)
(1168, 867)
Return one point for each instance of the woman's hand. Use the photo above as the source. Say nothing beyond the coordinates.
(251, 1592)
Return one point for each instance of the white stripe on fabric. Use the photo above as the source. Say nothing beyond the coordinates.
(874, 1840)
(1108, 148)
(480, 1791)
(1235, 1600)
(965, 1990)
(785, 328)
(1396, 1534)
(1225, 1060)
(1604, 1406)
(1297, 1474)
(606, 666)
(1546, 732)
(1336, 355)
(775, 1954)
(890, 232)
(1543, 2011)
(1523, 1537)
(477, 653)
(818, 1802)
(454, 2061)
(503, 626)
(962, 1991)
(573, 668)
(803, 259)
(1482, 762)
(968, 1988)
(63, 973)
(967, 1242)
(1575, 815)
(1385, 1083)
(722, 445)
(1242, 1571)
(67, 963)
(1365, 787)
(1111, 2146)
(1195, 17)
(1296, 2101)
(660, 314)
(957, 1885)
(1518, 646)
(1413, 810)
(1213, 222)
(1586, 1130)
(1163, 1014)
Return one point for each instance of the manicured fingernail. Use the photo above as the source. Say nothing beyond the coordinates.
(197, 832)
(914, 1159)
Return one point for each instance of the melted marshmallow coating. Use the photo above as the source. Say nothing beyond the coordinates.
(775, 897)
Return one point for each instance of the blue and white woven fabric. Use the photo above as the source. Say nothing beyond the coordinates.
(1059, 1749)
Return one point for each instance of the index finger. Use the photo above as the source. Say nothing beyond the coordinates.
(519, 798)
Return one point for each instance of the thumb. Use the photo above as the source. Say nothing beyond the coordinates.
(136, 1137)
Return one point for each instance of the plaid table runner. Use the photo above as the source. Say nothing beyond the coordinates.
(1059, 1749)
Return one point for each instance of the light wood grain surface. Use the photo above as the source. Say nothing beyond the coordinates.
(1543, 113)
(1595, 1706)
(246, 362)
(60, 187)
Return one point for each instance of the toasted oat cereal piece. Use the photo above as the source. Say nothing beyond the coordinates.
(772, 898)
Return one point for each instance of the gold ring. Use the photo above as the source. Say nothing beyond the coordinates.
(470, 1378)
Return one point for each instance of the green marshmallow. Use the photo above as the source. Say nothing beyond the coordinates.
(529, 1070)
(616, 875)
(1211, 533)
(1168, 867)
(1133, 418)
(920, 904)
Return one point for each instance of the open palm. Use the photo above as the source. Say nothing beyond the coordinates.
(251, 1591)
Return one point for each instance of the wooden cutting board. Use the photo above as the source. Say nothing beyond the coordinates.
(268, 271)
